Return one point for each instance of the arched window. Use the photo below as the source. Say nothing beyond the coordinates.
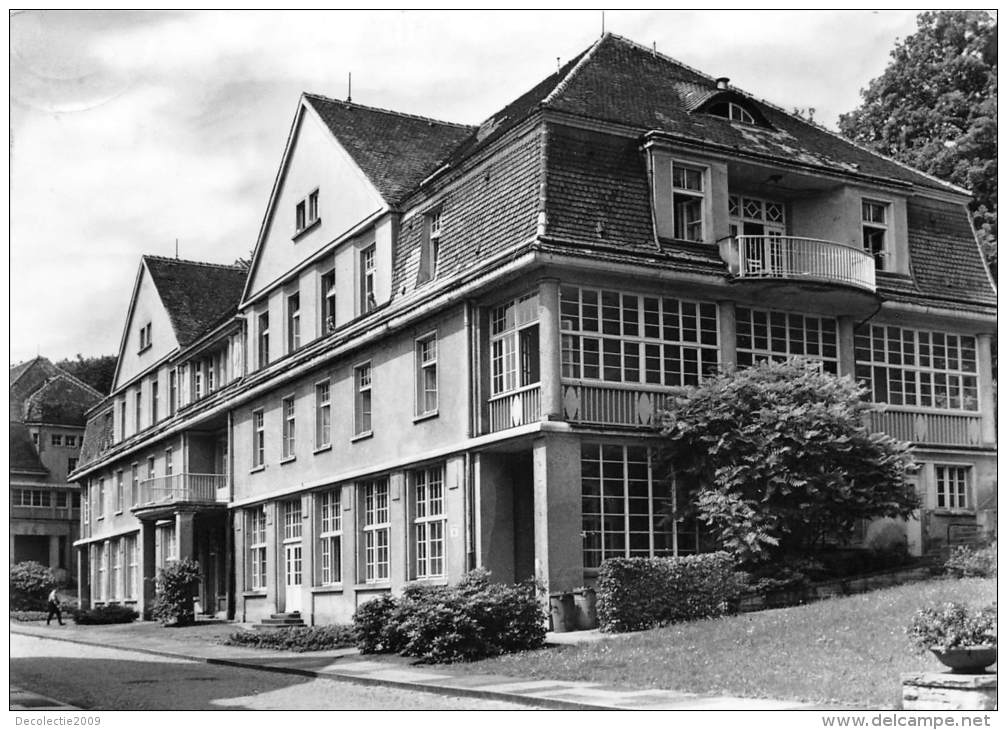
(732, 111)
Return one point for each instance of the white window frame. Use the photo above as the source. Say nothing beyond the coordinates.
(257, 536)
(363, 399)
(679, 191)
(323, 414)
(169, 462)
(138, 405)
(116, 587)
(330, 537)
(154, 398)
(376, 527)
(119, 487)
(328, 313)
(132, 564)
(514, 345)
(427, 384)
(306, 212)
(773, 335)
(151, 468)
(293, 303)
(293, 520)
(368, 275)
(145, 339)
(953, 487)
(101, 498)
(262, 338)
(429, 522)
(258, 438)
(288, 411)
(882, 256)
(135, 483)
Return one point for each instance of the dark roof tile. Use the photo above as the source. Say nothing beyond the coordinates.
(23, 455)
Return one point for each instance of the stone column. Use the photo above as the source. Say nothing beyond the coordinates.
(846, 354)
(398, 540)
(148, 567)
(307, 557)
(559, 560)
(274, 556)
(83, 577)
(987, 404)
(728, 336)
(185, 536)
(53, 551)
(549, 346)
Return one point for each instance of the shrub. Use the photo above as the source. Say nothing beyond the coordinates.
(176, 586)
(105, 615)
(30, 584)
(640, 593)
(296, 638)
(952, 626)
(29, 615)
(472, 620)
(965, 562)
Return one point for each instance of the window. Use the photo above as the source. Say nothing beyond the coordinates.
(210, 365)
(31, 498)
(169, 543)
(323, 415)
(429, 521)
(115, 558)
(875, 227)
(101, 498)
(367, 270)
(952, 486)
(71, 464)
(118, 490)
(71, 441)
(330, 536)
(172, 392)
(169, 467)
(134, 494)
(292, 517)
(625, 507)
(918, 368)
(132, 561)
(362, 402)
(688, 200)
(258, 439)
(514, 353)
(197, 380)
(426, 375)
(732, 111)
(101, 587)
(306, 212)
(145, 337)
(138, 406)
(293, 321)
(84, 504)
(289, 424)
(257, 548)
(61, 499)
(764, 335)
(153, 400)
(628, 338)
(431, 249)
(34, 437)
(263, 339)
(56, 439)
(122, 417)
(76, 503)
(376, 527)
(151, 472)
(329, 302)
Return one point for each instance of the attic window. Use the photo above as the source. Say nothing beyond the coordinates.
(144, 337)
(732, 111)
(306, 214)
(430, 253)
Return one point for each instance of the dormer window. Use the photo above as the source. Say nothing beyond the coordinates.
(329, 302)
(144, 337)
(306, 213)
(430, 253)
(875, 231)
(688, 199)
(732, 111)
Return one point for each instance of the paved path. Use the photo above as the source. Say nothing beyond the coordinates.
(456, 681)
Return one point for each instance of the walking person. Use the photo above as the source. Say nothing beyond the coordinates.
(54, 609)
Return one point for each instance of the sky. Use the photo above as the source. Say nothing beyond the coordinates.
(131, 130)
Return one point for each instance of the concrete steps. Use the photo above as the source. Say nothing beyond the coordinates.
(280, 621)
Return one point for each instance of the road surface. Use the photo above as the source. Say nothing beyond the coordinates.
(98, 678)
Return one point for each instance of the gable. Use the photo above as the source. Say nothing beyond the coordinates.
(314, 161)
(145, 307)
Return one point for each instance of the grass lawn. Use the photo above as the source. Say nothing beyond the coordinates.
(849, 651)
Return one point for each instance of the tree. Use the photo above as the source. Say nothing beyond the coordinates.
(95, 371)
(777, 458)
(176, 589)
(935, 109)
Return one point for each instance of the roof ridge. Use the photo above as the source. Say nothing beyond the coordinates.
(169, 259)
(566, 80)
(664, 56)
(392, 112)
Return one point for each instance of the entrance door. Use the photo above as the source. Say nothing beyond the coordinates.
(292, 553)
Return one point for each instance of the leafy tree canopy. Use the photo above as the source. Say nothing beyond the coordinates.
(935, 108)
(95, 371)
(777, 458)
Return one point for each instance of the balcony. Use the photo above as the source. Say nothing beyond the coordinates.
(176, 489)
(779, 268)
(613, 404)
(929, 428)
(515, 408)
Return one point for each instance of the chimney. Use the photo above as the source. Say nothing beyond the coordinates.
(722, 83)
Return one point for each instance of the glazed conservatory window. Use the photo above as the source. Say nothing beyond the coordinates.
(514, 346)
(629, 338)
(906, 367)
(767, 335)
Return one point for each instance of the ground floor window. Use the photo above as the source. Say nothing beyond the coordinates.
(429, 521)
(626, 510)
(257, 549)
(330, 537)
(952, 486)
(376, 527)
(100, 557)
(132, 562)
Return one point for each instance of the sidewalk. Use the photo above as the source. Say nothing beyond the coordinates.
(199, 644)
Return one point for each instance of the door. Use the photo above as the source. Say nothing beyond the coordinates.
(293, 572)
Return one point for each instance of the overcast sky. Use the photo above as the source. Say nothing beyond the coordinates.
(132, 129)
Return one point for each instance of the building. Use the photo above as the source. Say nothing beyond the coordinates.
(47, 407)
(451, 341)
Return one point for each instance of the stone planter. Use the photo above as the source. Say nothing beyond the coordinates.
(966, 659)
(586, 604)
(563, 612)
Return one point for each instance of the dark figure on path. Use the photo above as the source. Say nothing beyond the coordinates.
(54, 608)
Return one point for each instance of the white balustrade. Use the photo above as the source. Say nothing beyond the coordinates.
(515, 408)
(181, 488)
(791, 257)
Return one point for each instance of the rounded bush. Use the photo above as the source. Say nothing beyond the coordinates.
(30, 584)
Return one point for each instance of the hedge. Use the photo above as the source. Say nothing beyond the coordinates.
(296, 638)
(640, 593)
(111, 614)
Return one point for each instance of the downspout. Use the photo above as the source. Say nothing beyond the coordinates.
(229, 521)
(469, 493)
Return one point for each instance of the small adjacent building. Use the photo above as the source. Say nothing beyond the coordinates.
(451, 343)
(47, 418)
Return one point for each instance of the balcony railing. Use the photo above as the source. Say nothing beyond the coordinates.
(613, 404)
(198, 488)
(516, 408)
(811, 259)
(938, 429)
